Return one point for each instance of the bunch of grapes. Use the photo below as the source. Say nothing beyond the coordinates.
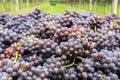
(32, 45)
(101, 65)
(7, 37)
(64, 33)
(70, 46)
(4, 18)
(76, 47)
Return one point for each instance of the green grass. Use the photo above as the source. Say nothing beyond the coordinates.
(58, 9)
(46, 7)
(100, 10)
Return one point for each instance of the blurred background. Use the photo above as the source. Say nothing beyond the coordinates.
(100, 7)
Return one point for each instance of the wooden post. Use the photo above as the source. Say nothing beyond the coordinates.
(21, 4)
(17, 5)
(90, 5)
(79, 3)
(33, 2)
(71, 1)
(27, 3)
(115, 6)
(36, 2)
(67, 4)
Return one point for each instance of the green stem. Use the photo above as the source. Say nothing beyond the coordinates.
(103, 77)
(85, 37)
(71, 64)
(83, 50)
(20, 45)
(75, 64)
(16, 57)
(79, 57)
(10, 77)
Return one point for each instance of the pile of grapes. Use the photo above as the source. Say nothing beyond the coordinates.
(70, 46)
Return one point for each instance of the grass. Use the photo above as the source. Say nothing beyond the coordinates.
(58, 9)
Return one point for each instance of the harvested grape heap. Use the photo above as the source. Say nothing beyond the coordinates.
(70, 46)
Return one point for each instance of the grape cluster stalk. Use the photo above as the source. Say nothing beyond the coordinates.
(69, 46)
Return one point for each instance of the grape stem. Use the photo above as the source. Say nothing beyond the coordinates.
(85, 37)
(10, 77)
(83, 50)
(116, 25)
(1, 26)
(73, 63)
(78, 57)
(24, 69)
(31, 39)
(16, 57)
(20, 45)
(103, 77)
